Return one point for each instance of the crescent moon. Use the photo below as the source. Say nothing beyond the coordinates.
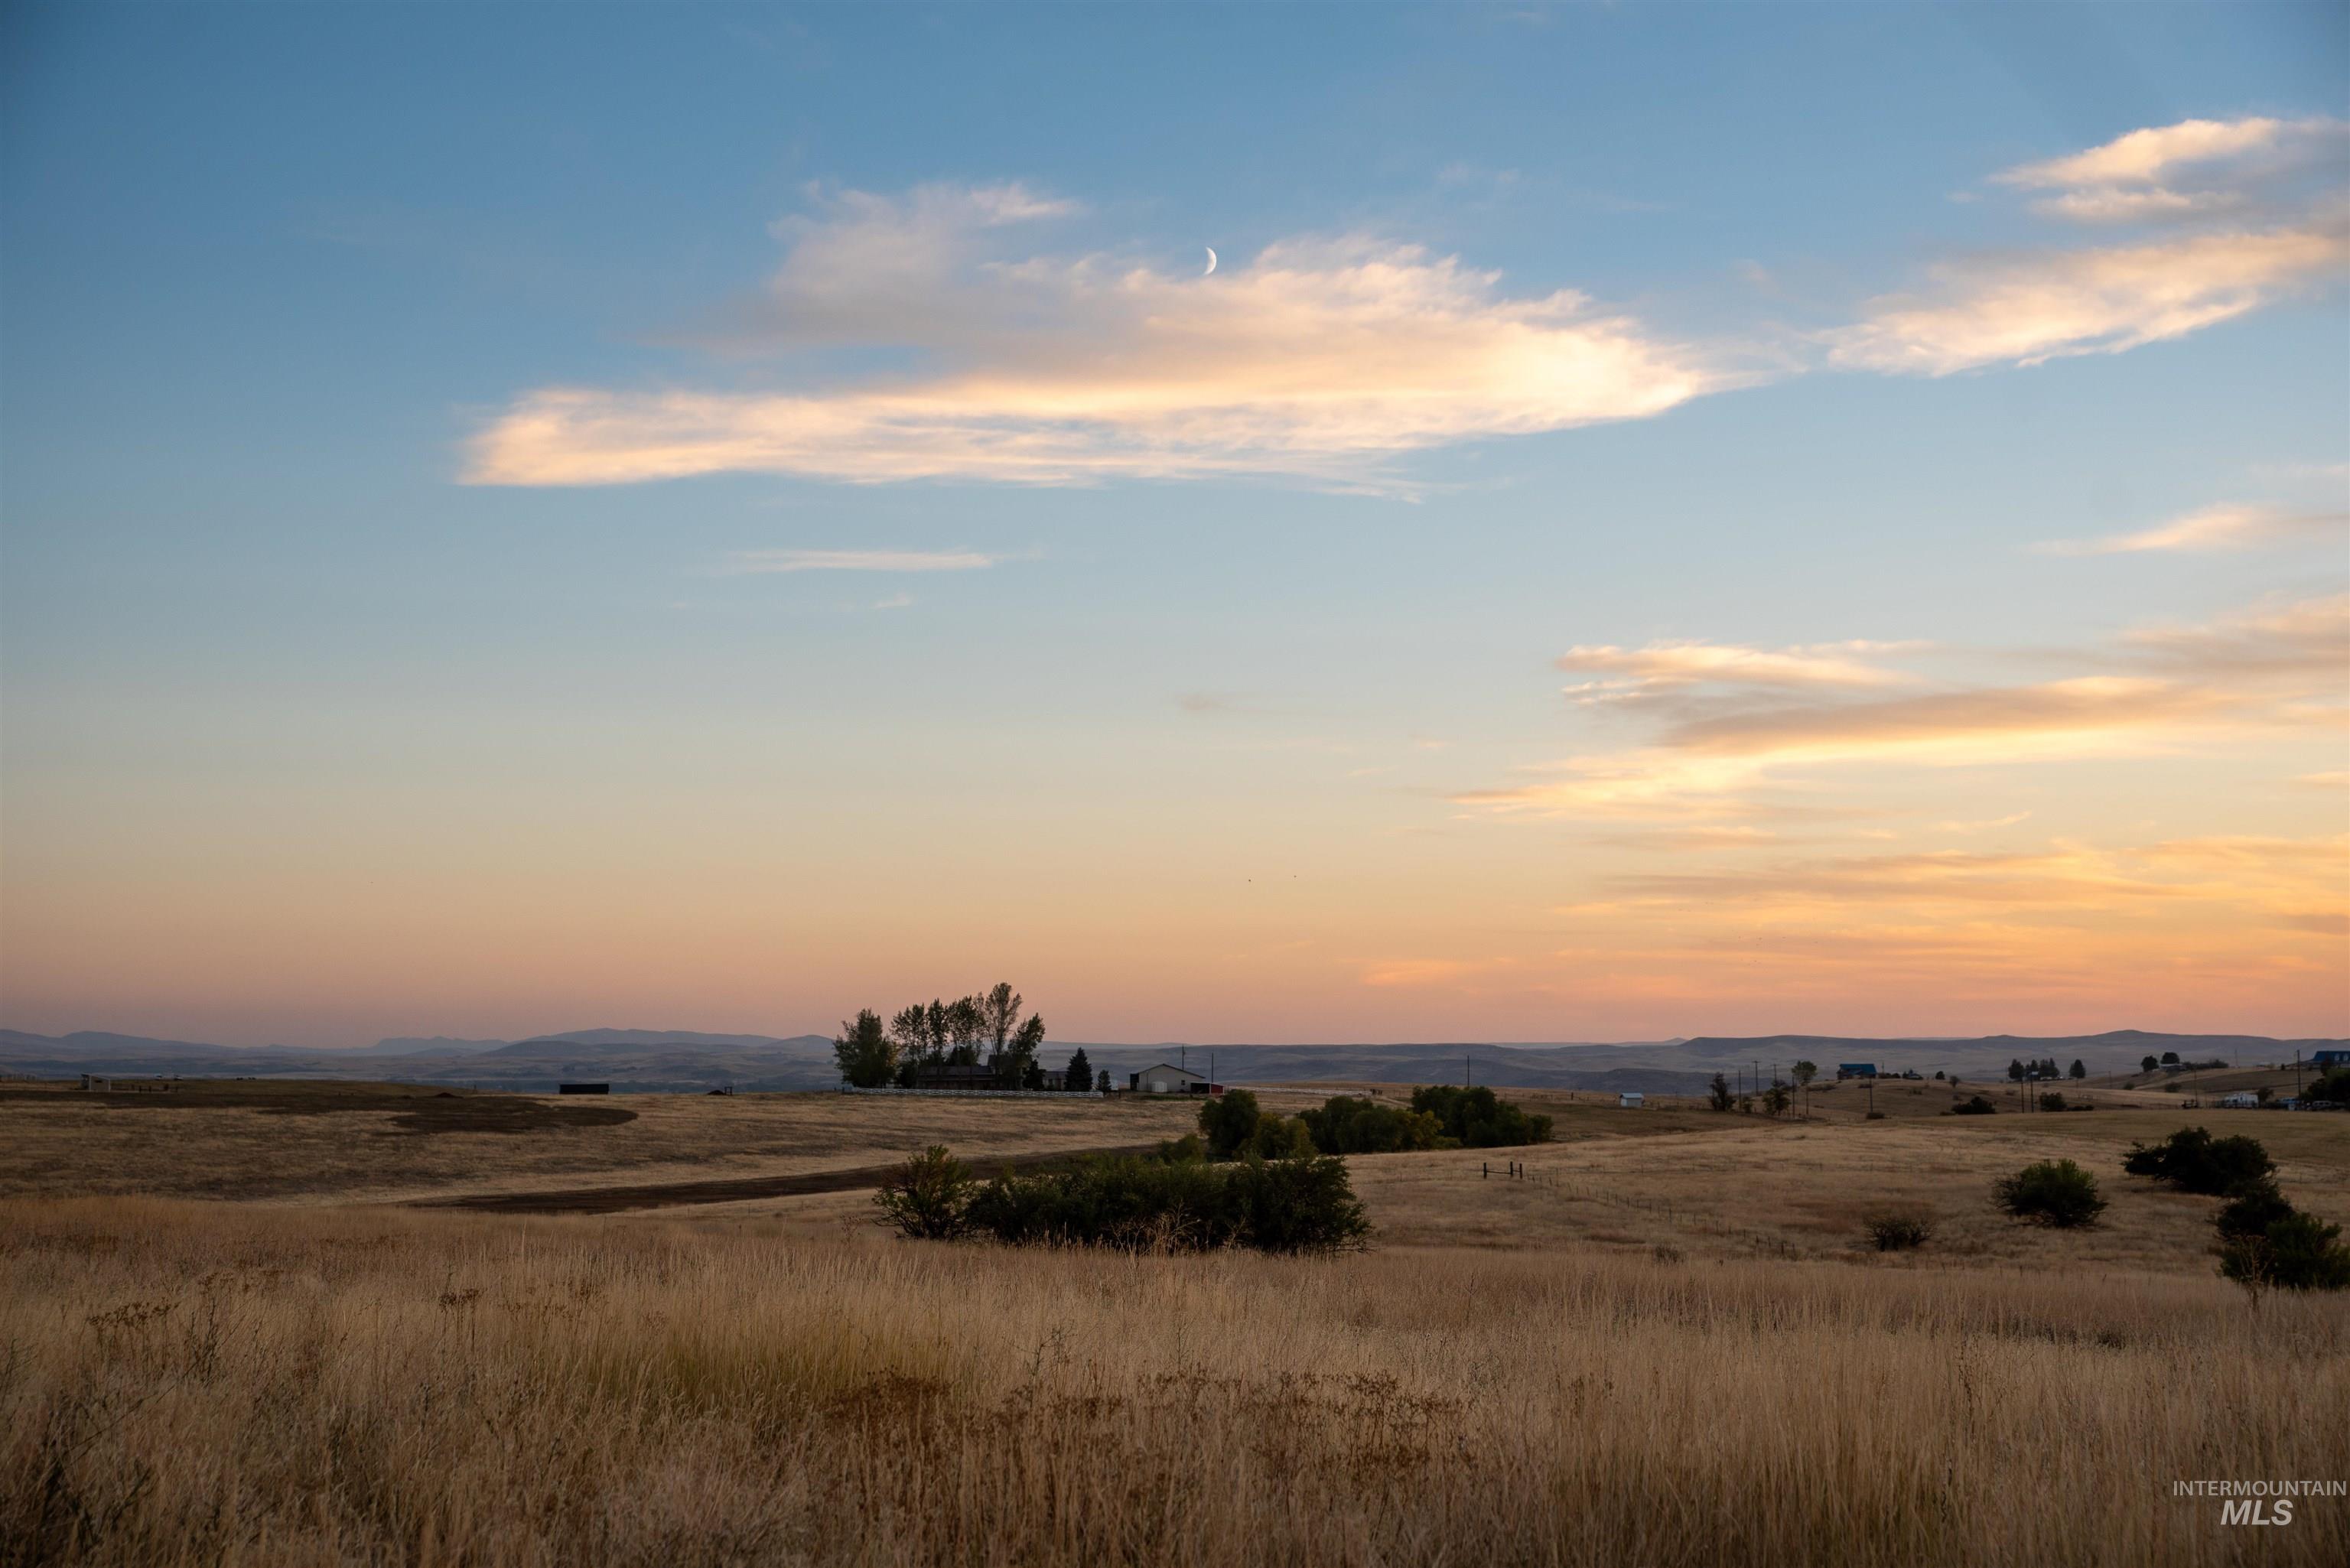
(1211, 259)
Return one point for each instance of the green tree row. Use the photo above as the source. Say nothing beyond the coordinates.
(1236, 1126)
(1302, 1205)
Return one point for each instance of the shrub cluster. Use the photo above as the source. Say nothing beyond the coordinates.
(1347, 1123)
(1234, 1125)
(2193, 1160)
(2053, 1192)
(2332, 1087)
(1478, 1119)
(1303, 1205)
(2289, 1250)
(1899, 1231)
(1975, 1107)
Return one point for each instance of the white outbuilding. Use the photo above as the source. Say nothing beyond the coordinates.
(1629, 1101)
(1167, 1079)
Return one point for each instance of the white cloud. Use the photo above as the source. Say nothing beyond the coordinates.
(2144, 158)
(2228, 526)
(1662, 665)
(2026, 309)
(2285, 232)
(752, 563)
(1316, 358)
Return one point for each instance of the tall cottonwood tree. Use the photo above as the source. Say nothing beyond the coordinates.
(866, 1057)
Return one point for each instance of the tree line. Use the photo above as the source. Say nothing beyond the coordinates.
(1236, 1126)
(872, 1053)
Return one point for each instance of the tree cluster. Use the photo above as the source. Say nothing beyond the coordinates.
(2193, 1160)
(2332, 1087)
(1479, 1119)
(938, 1033)
(1301, 1205)
(2263, 1241)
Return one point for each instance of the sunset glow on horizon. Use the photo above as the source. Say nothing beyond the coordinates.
(721, 556)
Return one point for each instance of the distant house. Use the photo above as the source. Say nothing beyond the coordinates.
(1629, 1100)
(956, 1075)
(1855, 1069)
(2243, 1100)
(2324, 1059)
(1166, 1079)
(1001, 1070)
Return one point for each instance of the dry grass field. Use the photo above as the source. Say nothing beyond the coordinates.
(1667, 1346)
(388, 1142)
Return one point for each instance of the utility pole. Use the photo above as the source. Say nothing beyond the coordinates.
(2296, 1072)
(1468, 1077)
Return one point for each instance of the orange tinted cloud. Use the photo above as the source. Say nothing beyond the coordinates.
(1310, 359)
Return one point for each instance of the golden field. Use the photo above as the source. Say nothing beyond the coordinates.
(1664, 1348)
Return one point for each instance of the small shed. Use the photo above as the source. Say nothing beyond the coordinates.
(2241, 1100)
(1629, 1100)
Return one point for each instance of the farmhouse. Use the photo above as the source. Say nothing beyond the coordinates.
(2324, 1059)
(1166, 1079)
(2243, 1100)
(1001, 1070)
(1855, 1070)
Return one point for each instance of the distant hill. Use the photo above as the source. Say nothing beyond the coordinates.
(428, 1045)
(656, 1060)
(640, 1038)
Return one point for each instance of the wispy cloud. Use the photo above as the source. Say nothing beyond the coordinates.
(2163, 690)
(2125, 177)
(2228, 526)
(753, 563)
(2277, 638)
(1432, 972)
(2024, 307)
(2030, 308)
(1631, 673)
(1316, 358)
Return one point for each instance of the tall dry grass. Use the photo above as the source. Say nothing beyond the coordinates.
(185, 1384)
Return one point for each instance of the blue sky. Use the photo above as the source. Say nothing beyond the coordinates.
(308, 736)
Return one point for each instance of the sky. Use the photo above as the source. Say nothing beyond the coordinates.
(1661, 520)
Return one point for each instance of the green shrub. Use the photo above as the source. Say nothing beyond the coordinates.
(1899, 1231)
(1975, 1107)
(1478, 1119)
(2256, 1206)
(2053, 1192)
(2332, 1088)
(1349, 1125)
(2295, 1252)
(2193, 1160)
(1141, 1205)
(2051, 1102)
(928, 1196)
(1280, 1137)
(1228, 1121)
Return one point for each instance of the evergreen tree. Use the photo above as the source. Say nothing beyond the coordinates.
(1079, 1075)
